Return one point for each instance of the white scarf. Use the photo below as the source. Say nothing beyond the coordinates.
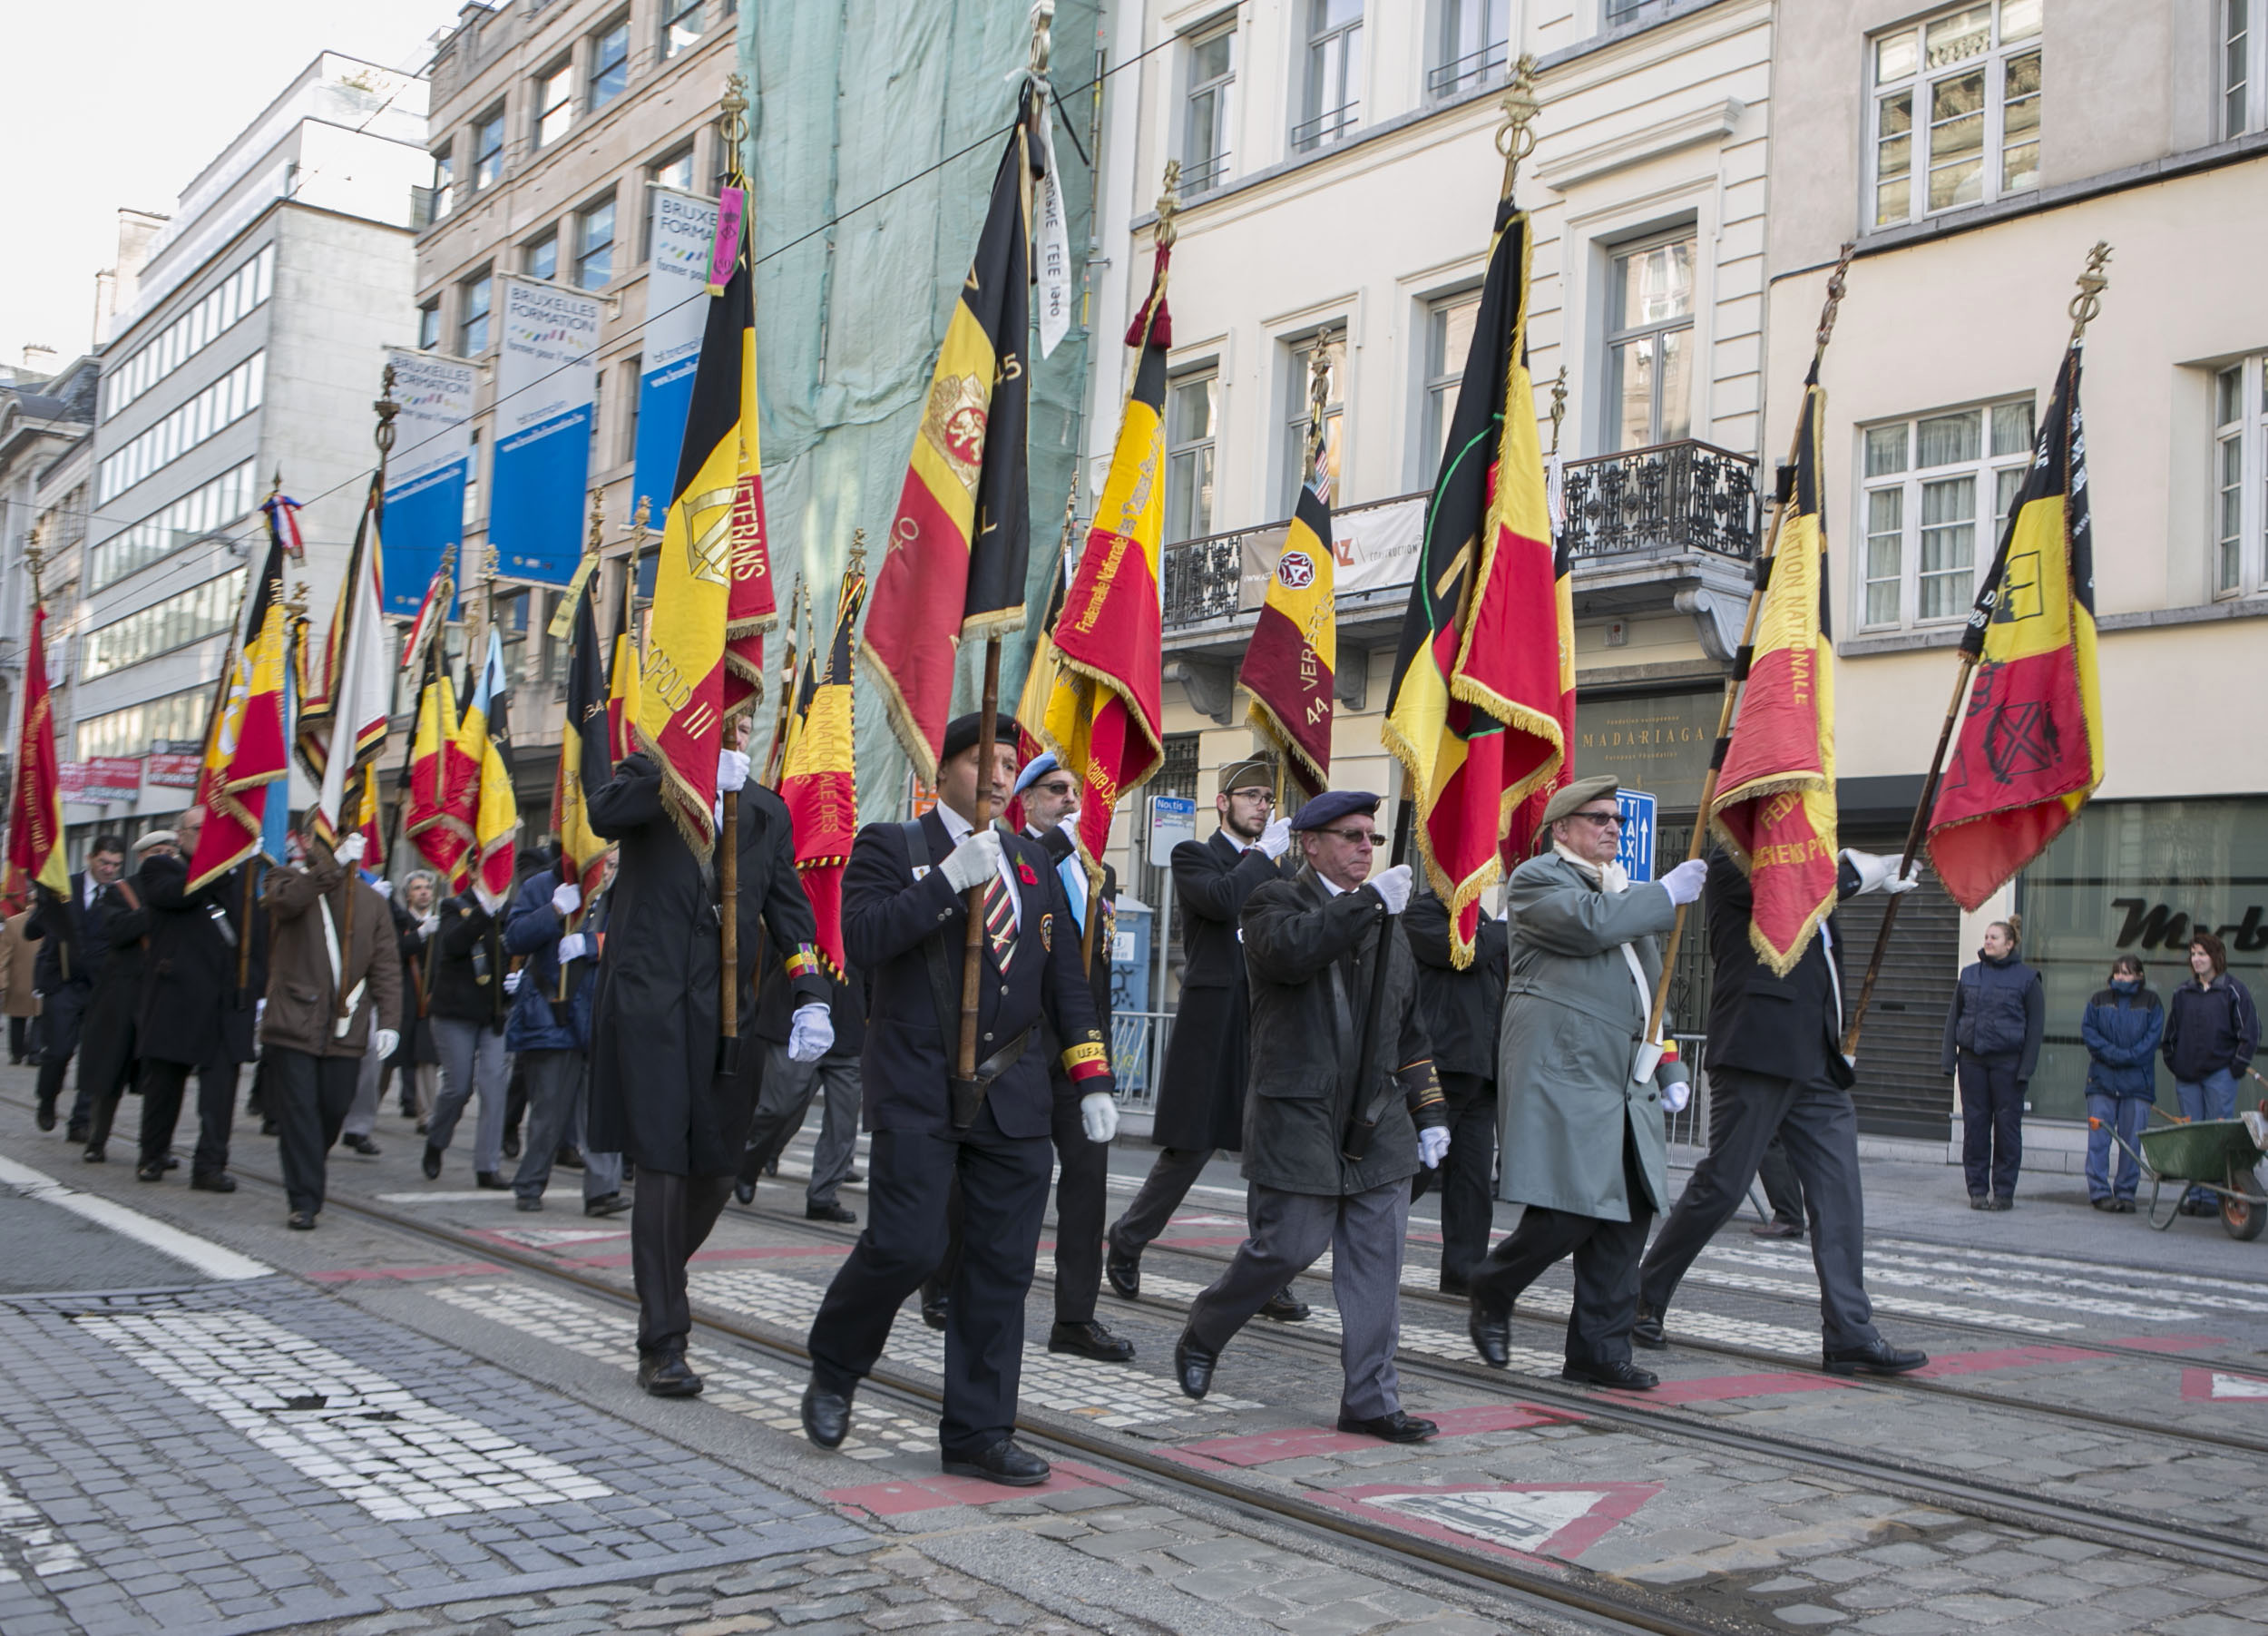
(1613, 879)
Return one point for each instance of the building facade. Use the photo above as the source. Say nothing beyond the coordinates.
(252, 352)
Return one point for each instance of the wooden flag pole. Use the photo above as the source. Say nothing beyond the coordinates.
(2084, 306)
(972, 947)
(1781, 498)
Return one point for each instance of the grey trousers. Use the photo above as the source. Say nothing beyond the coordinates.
(362, 1117)
(1170, 1178)
(473, 1058)
(555, 1081)
(783, 1101)
(1818, 1128)
(1363, 1232)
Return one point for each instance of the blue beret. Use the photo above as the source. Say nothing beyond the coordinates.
(1038, 767)
(1333, 804)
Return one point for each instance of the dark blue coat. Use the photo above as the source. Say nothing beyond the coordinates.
(890, 915)
(2122, 1032)
(533, 928)
(2211, 1028)
(1999, 1011)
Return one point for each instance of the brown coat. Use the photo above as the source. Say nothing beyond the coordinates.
(302, 1002)
(17, 997)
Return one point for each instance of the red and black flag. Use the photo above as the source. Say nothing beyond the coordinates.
(2030, 749)
(818, 778)
(953, 566)
(1483, 676)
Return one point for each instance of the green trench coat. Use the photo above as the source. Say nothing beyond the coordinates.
(1566, 1042)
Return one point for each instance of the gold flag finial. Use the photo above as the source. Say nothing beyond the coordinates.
(1318, 397)
(643, 516)
(597, 517)
(1558, 407)
(35, 554)
(858, 551)
(387, 409)
(1169, 204)
(732, 127)
(276, 487)
(1042, 37)
(1833, 303)
(1516, 137)
(2093, 281)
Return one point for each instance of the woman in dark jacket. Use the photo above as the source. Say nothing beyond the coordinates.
(2121, 1026)
(466, 1010)
(1992, 1041)
(2211, 1033)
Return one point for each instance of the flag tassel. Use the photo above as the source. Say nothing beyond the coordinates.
(1783, 498)
(972, 947)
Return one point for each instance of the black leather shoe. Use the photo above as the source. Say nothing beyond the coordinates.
(2002, 1201)
(1090, 1340)
(152, 1172)
(78, 1133)
(94, 1155)
(609, 1204)
(1007, 1462)
(933, 1313)
(1979, 1201)
(1776, 1228)
(1124, 1272)
(528, 1201)
(2107, 1204)
(1491, 1333)
(491, 1179)
(431, 1164)
(745, 1191)
(360, 1144)
(1646, 1331)
(300, 1220)
(826, 1415)
(1285, 1306)
(1620, 1373)
(44, 1116)
(1396, 1427)
(220, 1181)
(665, 1374)
(1193, 1365)
(829, 1211)
(512, 1145)
(2125, 1207)
(1878, 1356)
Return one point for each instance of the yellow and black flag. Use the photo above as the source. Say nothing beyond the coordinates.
(583, 760)
(955, 564)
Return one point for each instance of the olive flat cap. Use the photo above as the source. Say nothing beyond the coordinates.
(1580, 793)
(1333, 805)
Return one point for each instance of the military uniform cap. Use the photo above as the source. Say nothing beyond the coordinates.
(1250, 772)
(961, 733)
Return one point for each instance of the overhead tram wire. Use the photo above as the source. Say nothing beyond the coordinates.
(988, 138)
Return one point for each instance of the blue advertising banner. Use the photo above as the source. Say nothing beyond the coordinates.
(428, 472)
(1635, 850)
(546, 377)
(677, 310)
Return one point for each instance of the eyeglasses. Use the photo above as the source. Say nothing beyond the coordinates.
(1358, 837)
(1266, 797)
(1600, 819)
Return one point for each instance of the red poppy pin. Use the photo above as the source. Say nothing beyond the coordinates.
(1024, 873)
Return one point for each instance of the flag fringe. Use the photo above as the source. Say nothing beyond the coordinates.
(904, 726)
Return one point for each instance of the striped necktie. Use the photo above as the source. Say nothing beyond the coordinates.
(1000, 921)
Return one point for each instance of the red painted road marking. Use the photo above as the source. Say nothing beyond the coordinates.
(764, 1253)
(2224, 1386)
(1299, 1441)
(341, 1275)
(2006, 1357)
(1718, 1389)
(904, 1495)
(1522, 1520)
(2171, 1343)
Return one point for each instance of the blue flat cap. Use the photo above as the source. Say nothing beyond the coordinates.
(1333, 805)
(1036, 768)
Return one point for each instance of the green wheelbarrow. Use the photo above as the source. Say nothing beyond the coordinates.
(2216, 1155)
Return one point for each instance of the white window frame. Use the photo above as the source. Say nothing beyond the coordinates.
(668, 46)
(553, 95)
(1916, 86)
(586, 247)
(1996, 477)
(1615, 336)
(684, 154)
(1201, 172)
(618, 25)
(443, 179)
(2240, 75)
(1439, 377)
(528, 248)
(1321, 127)
(1297, 348)
(488, 162)
(2236, 563)
(1453, 72)
(429, 325)
(1181, 448)
(484, 282)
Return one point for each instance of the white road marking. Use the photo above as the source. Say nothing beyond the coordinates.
(338, 1423)
(203, 1255)
(2238, 1386)
(43, 1549)
(1894, 1273)
(1903, 1305)
(484, 1195)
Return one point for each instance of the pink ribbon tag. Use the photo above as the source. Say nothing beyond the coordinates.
(731, 205)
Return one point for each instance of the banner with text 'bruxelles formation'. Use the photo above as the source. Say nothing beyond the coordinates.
(427, 470)
(677, 280)
(546, 379)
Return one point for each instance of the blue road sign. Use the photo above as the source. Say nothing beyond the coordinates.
(1636, 852)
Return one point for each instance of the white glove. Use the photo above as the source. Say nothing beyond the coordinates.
(387, 1042)
(1393, 885)
(1432, 1146)
(571, 947)
(349, 849)
(566, 898)
(1276, 839)
(1685, 882)
(810, 1032)
(512, 982)
(1675, 1097)
(1098, 1116)
(974, 861)
(383, 887)
(732, 770)
(1878, 873)
(430, 924)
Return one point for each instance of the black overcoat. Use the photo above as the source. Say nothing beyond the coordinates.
(1787, 1027)
(656, 1095)
(1461, 1008)
(1201, 1091)
(193, 1011)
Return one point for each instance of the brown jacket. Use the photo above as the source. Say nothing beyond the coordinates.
(16, 958)
(302, 1001)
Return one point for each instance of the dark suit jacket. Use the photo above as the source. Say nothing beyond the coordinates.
(1459, 1008)
(1201, 1091)
(890, 915)
(68, 939)
(192, 1010)
(1058, 846)
(1788, 1027)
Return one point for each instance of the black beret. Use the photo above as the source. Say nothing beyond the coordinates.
(1332, 805)
(961, 733)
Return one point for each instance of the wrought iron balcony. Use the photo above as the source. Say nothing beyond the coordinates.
(1671, 497)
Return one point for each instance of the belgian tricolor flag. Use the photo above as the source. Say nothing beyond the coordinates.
(818, 780)
(1289, 668)
(954, 565)
(2030, 749)
(1482, 678)
(583, 759)
(248, 733)
(1774, 806)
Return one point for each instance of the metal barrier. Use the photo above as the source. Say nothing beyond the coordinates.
(1138, 1054)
